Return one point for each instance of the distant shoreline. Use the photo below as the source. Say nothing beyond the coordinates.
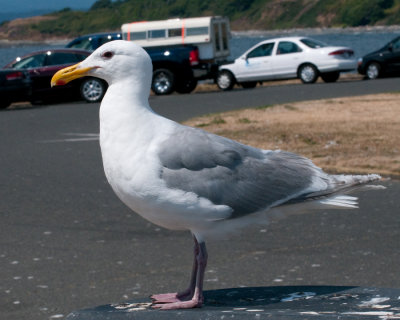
(6, 42)
(245, 33)
(313, 31)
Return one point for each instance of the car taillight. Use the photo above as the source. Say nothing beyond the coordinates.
(347, 53)
(194, 57)
(15, 75)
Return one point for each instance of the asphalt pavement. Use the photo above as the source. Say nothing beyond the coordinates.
(67, 242)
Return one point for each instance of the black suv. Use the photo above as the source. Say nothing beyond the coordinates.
(383, 62)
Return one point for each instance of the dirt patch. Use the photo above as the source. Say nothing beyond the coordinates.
(353, 135)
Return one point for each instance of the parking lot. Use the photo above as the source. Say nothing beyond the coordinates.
(67, 242)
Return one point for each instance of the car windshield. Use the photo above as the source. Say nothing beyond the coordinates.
(82, 44)
(29, 62)
(314, 44)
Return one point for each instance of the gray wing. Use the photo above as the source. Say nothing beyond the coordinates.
(229, 173)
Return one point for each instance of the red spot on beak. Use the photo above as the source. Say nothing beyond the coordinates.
(60, 82)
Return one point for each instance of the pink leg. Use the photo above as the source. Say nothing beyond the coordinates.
(186, 294)
(193, 296)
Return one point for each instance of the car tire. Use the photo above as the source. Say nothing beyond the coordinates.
(225, 80)
(249, 84)
(92, 89)
(163, 82)
(330, 76)
(373, 70)
(187, 86)
(308, 73)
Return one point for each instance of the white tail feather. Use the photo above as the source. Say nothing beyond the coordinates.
(341, 201)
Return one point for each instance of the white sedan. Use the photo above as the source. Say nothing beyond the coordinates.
(287, 58)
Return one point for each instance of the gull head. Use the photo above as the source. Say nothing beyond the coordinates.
(113, 62)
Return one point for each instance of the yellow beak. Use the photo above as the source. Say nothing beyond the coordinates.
(68, 74)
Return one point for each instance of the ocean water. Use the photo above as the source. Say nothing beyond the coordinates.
(362, 41)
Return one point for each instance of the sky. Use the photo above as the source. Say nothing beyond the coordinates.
(12, 9)
(16, 6)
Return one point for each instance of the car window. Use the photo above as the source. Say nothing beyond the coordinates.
(263, 50)
(80, 57)
(285, 47)
(56, 58)
(29, 62)
(314, 44)
(396, 45)
(105, 39)
(82, 44)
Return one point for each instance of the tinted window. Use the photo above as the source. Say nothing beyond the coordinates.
(56, 58)
(286, 47)
(261, 51)
(313, 43)
(30, 62)
(175, 32)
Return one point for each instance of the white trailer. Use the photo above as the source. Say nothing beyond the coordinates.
(210, 34)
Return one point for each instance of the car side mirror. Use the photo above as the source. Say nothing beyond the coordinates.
(390, 47)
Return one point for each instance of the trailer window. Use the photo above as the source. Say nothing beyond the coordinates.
(154, 34)
(175, 32)
(224, 36)
(217, 36)
(196, 31)
(138, 35)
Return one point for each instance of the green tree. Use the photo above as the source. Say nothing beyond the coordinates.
(102, 4)
(364, 12)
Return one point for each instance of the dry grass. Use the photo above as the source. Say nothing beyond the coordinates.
(353, 135)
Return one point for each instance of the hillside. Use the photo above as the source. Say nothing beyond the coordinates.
(106, 15)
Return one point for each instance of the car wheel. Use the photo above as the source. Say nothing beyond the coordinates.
(373, 70)
(225, 80)
(187, 86)
(249, 84)
(330, 76)
(163, 82)
(92, 89)
(308, 73)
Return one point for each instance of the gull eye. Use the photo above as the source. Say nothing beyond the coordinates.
(107, 55)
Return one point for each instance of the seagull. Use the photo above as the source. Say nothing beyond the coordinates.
(184, 178)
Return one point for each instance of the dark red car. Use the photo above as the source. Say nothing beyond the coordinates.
(41, 66)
